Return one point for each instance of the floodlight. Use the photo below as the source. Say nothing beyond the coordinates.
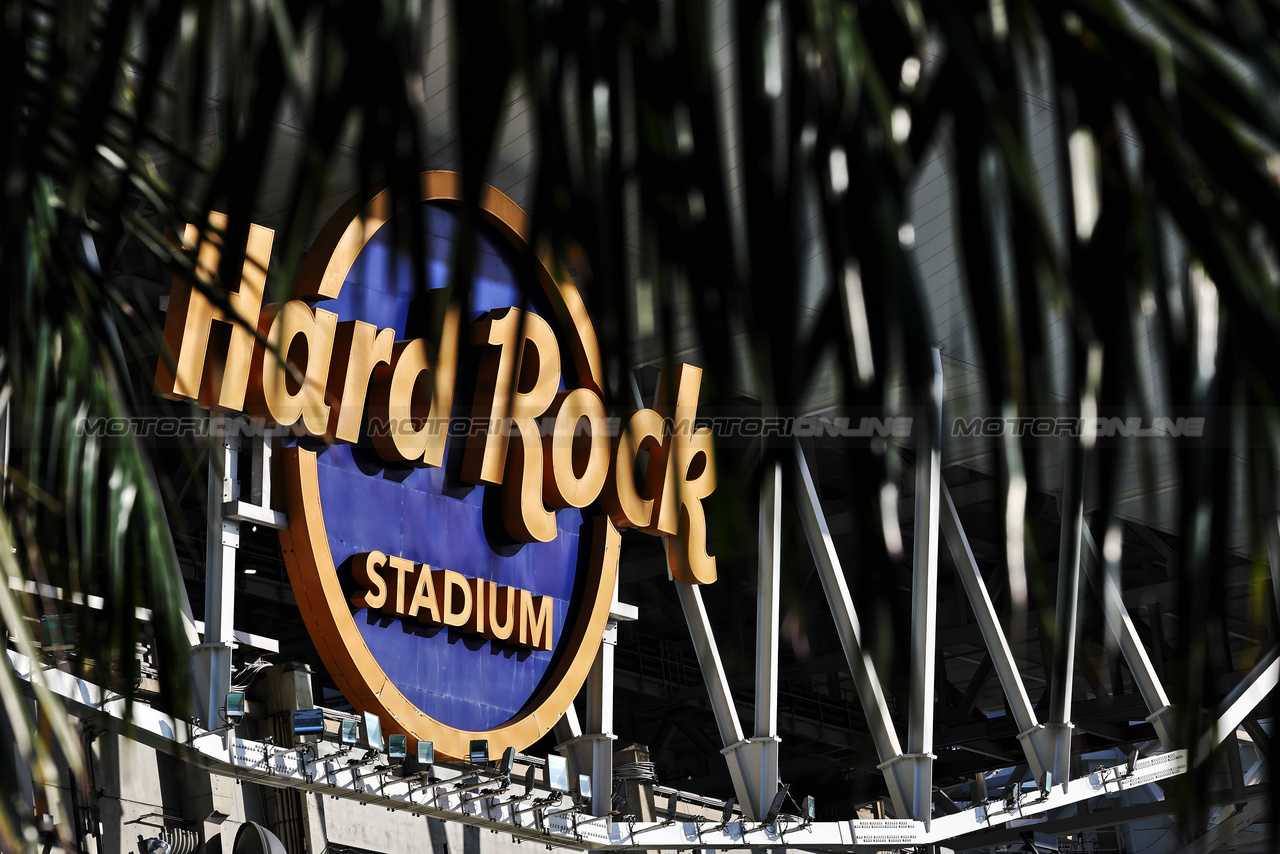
(1046, 783)
(672, 803)
(810, 808)
(1133, 759)
(507, 762)
(235, 707)
(557, 773)
(528, 780)
(372, 731)
(58, 633)
(771, 815)
(397, 748)
(349, 732)
(729, 807)
(421, 762)
(308, 724)
(479, 751)
(584, 788)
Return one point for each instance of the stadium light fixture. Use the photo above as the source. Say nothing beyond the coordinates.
(372, 732)
(234, 708)
(397, 748)
(507, 762)
(308, 725)
(775, 807)
(558, 773)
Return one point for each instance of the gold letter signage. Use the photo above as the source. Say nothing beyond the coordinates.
(542, 446)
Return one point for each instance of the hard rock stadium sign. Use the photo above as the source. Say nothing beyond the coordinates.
(455, 583)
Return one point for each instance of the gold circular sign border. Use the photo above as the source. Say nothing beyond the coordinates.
(305, 543)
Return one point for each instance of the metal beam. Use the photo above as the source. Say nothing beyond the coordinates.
(757, 759)
(767, 602)
(591, 752)
(704, 644)
(257, 510)
(1135, 655)
(1068, 601)
(223, 536)
(836, 588)
(1261, 740)
(871, 694)
(1051, 743)
(975, 588)
(1041, 743)
(910, 776)
(568, 727)
(997, 836)
(924, 571)
(600, 721)
(897, 768)
(1220, 834)
(743, 757)
(211, 660)
(277, 767)
(1237, 705)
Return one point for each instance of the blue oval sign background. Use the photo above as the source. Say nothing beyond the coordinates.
(428, 515)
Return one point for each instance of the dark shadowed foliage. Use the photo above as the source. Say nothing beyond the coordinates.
(1167, 121)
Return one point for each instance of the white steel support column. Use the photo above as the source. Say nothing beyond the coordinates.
(1062, 675)
(212, 659)
(757, 758)
(924, 575)
(867, 683)
(600, 722)
(574, 745)
(258, 510)
(767, 602)
(1135, 654)
(1064, 646)
(260, 471)
(924, 599)
(591, 752)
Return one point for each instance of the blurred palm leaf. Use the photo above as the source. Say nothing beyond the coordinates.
(677, 160)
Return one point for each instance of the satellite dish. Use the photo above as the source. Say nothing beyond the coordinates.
(253, 838)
